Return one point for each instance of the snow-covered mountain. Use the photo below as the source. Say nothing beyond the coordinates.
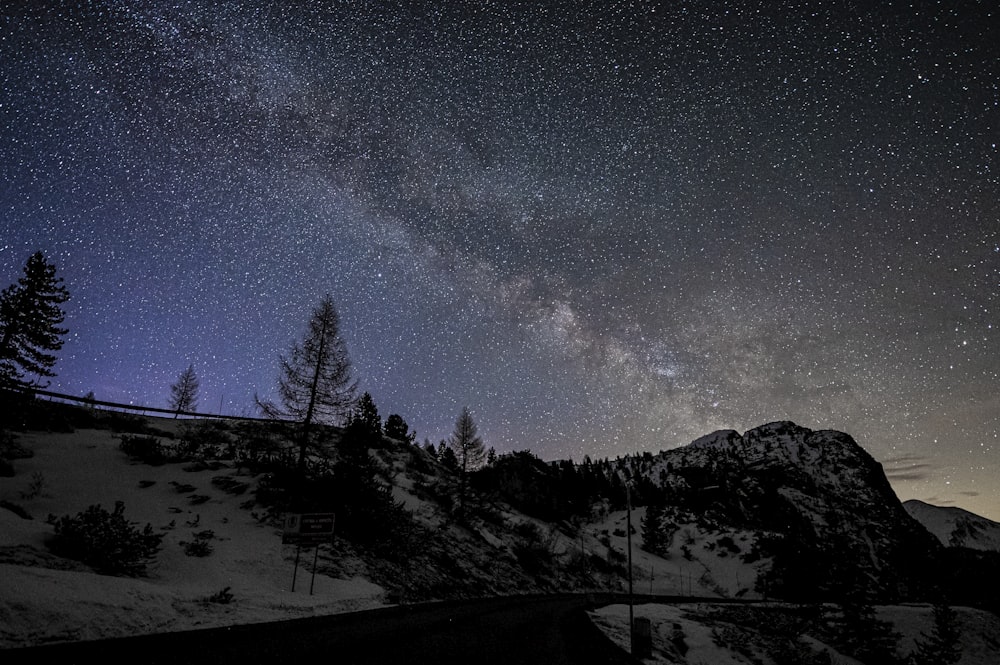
(955, 527)
(820, 506)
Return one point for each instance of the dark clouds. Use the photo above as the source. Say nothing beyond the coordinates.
(604, 228)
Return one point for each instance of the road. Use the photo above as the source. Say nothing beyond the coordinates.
(530, 629)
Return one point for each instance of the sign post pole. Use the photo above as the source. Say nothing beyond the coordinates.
(295, 571)
(308, 529)
(313, 580)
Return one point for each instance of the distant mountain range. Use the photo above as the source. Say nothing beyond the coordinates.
(955, 527)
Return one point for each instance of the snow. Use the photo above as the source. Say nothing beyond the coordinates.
(44, 598)
(667, 622)
(974, 531)
(694, 627)
(710, 570)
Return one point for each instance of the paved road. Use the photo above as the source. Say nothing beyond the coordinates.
(542, 629)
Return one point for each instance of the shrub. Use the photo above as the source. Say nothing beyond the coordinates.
(206, 439)
(533, 547)
(36, 487)
(120, 422)
(106, 541)
(10, 450)
(146, 449)
(201, 545)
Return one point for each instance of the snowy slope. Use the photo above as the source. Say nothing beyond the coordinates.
(778, 633)
(45, 598)
(956, 527)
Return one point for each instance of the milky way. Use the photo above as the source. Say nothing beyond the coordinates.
(604, 227)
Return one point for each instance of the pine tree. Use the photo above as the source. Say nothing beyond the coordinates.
(652, 528)
(941, 647)
(396, 428)
(469, 452)
(315, 385)
(862, 635)
(30, 319)
(184, 393)
(366, 414)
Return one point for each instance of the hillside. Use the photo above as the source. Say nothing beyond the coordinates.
(247, 574)
(956, 527)
(744, 516)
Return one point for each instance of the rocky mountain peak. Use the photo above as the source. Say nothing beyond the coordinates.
(820, 504)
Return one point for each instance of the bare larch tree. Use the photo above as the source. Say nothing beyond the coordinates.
(315, 384)
(184, 393)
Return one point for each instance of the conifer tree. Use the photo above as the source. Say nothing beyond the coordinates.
(470, 453)
(366, 415)
(942, 646)
(862, 635)
(184, 393)
(315, 384)
(30, 320)
(652, 528)
(397, 428)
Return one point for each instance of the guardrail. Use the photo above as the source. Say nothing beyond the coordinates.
(86, 401)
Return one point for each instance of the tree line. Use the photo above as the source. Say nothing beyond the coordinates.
(316, 388)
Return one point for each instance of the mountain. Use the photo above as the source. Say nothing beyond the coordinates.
(955, 527)
(819, 506)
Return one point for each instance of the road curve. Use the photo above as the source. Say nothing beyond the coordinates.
(512, 630)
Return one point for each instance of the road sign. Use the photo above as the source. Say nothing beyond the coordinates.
(308, 529)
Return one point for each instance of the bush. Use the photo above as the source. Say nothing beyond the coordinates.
(10, 450)
(223, 597)
(201, 545)
(533, 547)
(263, 446)
(36, 487)
(146, 449)
(106, 541)
(207, 439)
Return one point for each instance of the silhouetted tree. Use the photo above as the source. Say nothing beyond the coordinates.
(366, 416)
(652, 528)
(396, 428)
(469, 452)
(447, 456)
(30, 319)
(941, 647)
(862, 635)
(184, 393)
(315, 385)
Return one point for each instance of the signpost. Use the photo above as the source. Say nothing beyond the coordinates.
(307, 529)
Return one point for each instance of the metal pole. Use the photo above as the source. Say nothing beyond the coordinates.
(628, 533)
(298, 548)
(313, 580)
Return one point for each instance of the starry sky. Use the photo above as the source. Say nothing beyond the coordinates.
(605, 227)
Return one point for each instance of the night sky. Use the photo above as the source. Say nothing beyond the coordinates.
(605, 227)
